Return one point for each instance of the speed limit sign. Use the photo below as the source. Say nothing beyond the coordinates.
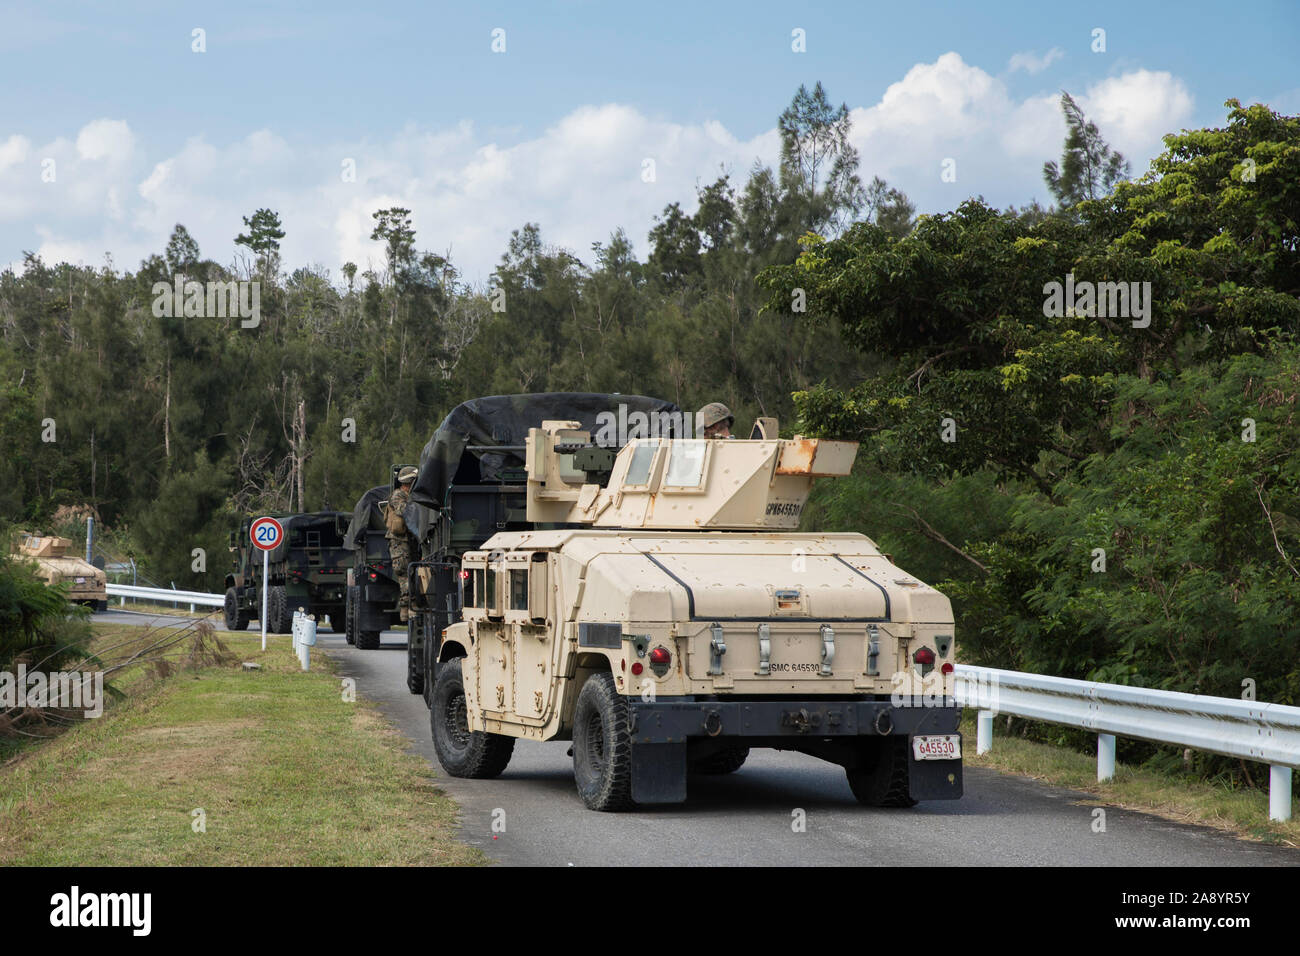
(265, 533)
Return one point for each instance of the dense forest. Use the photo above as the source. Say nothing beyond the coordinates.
(1105, 494)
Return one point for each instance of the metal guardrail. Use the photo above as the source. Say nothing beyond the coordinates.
(166, 596)
(1249, 729)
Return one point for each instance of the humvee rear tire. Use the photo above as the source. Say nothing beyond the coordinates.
(463, 753)
(602, 746)
(724, 761)
(881, 780)
(101, 606)
(350, 617)
(236, 617)
(367, 640)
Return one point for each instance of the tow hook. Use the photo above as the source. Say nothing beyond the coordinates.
(801, 720)
(884, 723)
(713, 723)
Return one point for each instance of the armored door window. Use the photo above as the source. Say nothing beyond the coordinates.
(686, 464)
(490, 594)
(643, 456)
(518, 590)
(472, 588)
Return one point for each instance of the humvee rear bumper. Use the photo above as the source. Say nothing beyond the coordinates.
(830, 729)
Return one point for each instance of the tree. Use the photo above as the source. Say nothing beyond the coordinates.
(818, 163)
(393, 228)
(888, 208)
(182, 253)
(1089, 168)
(263, 237)
(674, 246)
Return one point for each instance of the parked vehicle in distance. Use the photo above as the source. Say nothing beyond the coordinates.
(86, 583)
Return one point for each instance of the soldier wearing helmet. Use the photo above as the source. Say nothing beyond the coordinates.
(399, 540)
(714, 420)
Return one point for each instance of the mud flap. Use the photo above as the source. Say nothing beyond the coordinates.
(659, 772)
(934, 779)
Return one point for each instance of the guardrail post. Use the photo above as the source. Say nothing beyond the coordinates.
(1279, 793)
(1105, 757)
(984, 731)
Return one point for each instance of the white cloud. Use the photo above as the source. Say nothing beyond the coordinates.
(105, 139)
(13, 151)
(1032, 63)
(580, 178)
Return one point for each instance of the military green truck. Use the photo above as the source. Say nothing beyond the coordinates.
(472, 484)
(307, 570)
(372, 590)
(662, 612)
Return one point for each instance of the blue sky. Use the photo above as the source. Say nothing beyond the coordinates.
(144, 132)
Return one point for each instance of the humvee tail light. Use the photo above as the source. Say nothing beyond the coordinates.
(464, 575)
(947, 667)
(924, 657)
(660, 655)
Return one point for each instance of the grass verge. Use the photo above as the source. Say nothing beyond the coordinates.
(1185, 799)
(282, 770)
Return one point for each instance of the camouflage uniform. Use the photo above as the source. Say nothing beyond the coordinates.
(399, 542)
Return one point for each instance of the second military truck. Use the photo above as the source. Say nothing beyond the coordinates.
(307, 570)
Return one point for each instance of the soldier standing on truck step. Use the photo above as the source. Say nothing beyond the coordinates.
(399, 543)
(714, 420)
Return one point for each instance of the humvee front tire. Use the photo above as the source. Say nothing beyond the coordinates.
(881, 780)
(236, 617)
(602, 746)
(723, 761)
(462, 752)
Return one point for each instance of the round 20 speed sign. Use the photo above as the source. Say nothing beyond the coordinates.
(265, 533)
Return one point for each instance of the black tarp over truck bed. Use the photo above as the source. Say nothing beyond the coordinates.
(471, 485)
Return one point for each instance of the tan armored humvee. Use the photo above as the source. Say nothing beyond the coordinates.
(86, 583)
(672, 618)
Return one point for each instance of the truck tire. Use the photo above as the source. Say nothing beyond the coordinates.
(463, 753)
(236, 617)
(101, 606)
(367, 640)
(414, 661)
(881, 779)
(350, 617)
(723, 761)
(602, 746)
(279, 618)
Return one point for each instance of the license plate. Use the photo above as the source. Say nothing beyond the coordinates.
(937, 747)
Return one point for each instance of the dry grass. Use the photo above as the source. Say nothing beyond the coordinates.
(284, 770)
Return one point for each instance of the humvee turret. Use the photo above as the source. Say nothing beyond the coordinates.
(86, 583)
(668, 617)
(307, 570)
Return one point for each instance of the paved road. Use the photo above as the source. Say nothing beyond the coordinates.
(746, 817)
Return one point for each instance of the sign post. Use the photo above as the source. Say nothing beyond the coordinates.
(265, 534)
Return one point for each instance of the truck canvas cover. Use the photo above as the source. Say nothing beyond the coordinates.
(366, 516)
(462, 450)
